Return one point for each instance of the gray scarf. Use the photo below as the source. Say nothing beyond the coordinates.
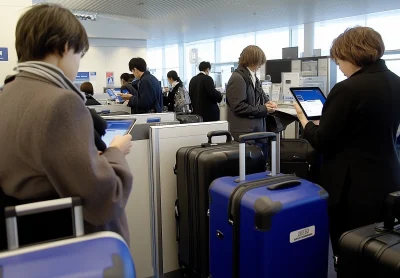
(47, 71)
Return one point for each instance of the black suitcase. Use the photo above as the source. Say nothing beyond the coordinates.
(196, 167)
(298, 157)
(372, 251)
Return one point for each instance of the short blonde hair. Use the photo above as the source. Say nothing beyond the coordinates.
(252, 55)
(359, 45)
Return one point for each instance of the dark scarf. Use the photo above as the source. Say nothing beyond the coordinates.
(54, 75)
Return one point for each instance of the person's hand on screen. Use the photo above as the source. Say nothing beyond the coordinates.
(123, 143)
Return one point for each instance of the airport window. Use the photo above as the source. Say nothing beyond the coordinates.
(232, 46)
(172, 56)
(155, 58)
(272, 42)
(383, 23)
(206, 52)
(327, 31)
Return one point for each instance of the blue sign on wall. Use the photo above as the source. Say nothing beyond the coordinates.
(82, 76)
(3, 54)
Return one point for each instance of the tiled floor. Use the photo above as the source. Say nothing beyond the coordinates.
(331, 270)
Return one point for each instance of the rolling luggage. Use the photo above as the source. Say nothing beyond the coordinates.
(373, 251)
(196, 167)
(267, 225)
(99, 255)
(299, 158)
(186, 118)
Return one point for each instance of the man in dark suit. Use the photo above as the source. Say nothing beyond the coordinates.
(203, 95)
(357, 133)
(150, 97)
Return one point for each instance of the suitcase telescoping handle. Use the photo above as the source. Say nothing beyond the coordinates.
(242, 151)
(391, 210)
(226, 133)
(12, 213)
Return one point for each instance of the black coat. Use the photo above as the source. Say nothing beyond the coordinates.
(204, 97)
(90, 100)
(150, 97)
(356, 136)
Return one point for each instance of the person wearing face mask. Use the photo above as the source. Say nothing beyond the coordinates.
(203, 95)
(357, 133)
(50, 152)
(247, 103)
(178, 99)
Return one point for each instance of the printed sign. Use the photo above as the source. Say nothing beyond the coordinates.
(3, 54)
(302, 234)
(82, 76)
(110, 77)
(193, 55)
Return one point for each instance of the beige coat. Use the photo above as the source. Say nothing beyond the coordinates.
(47, 149)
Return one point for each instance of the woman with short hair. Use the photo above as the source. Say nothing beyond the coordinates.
(248, 104)
(357, 133)
(48, 142)
(87, 88)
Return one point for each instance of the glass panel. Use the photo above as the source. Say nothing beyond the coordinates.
(172, 56)
(206, 52)
(383, 23)
(232, 46)
(272, 42)
(327, 31)
(154, 58)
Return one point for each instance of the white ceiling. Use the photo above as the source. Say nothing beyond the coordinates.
(172, 21)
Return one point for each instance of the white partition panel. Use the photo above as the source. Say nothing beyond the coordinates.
(137, 209)
(165, 141)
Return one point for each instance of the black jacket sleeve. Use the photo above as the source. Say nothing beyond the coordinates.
(145, 101)
(211, 91)
(236, 95)
(330, 135)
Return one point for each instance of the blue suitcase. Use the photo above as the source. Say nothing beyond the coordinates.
(99, 255)
(266, 225)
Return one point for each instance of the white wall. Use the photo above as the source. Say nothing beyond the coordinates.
(10, 11)
(110, 55)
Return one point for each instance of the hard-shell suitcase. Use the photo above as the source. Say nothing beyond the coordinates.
(267, 225)
(373, 251)
(196, 168)
(99, 255)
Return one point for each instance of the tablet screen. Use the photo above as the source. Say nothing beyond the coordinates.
(117, 127)
(311, 101)
(111, 94)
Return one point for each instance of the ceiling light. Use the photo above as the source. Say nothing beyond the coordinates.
(81, 16)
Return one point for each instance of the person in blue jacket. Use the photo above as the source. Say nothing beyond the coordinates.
(150, 97)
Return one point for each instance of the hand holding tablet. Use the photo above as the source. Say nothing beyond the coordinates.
(310, 102)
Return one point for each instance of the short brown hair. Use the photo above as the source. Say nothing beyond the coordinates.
(252, 55)
(87, 88)
(46, 29)
(359, 45)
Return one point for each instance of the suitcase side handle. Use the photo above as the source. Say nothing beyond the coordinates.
(242, 151)
(284, 185)
(11, 214)
(216, 133)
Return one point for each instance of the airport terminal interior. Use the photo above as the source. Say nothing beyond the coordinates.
(232, 138)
